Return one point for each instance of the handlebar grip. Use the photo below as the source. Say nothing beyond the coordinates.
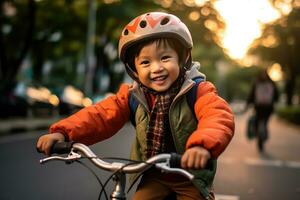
(175, 160)
(38, 150)
(61, 147)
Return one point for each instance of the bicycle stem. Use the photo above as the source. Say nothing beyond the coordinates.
(119, 189)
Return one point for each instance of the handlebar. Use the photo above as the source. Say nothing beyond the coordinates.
(165, 162)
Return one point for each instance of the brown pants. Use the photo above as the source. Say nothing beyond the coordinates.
(157, 186)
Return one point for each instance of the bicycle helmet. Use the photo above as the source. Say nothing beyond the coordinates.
(153, 25)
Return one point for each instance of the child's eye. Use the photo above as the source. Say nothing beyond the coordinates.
(145, 62)
(165, 58)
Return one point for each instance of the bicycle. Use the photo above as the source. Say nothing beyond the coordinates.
(169, 163)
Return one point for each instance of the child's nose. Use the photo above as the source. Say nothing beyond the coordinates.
(157, 67)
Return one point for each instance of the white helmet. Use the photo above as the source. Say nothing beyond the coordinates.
(153, 25)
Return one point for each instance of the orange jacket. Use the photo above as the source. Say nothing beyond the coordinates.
(102, 120)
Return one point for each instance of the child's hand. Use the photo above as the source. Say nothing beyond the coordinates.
(45, 142)
(195, 158)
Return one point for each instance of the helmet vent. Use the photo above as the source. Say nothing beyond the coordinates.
(143, 24)
(164, 21)
(126, 32)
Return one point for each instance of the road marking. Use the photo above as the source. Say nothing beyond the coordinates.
(226, 197)
(262, 162)
(293, 164)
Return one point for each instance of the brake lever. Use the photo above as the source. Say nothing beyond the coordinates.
(165, 168)
(72, 156)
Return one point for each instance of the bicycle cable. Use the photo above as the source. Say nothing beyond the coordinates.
(95, 175)
(132, 162)
(103, 186)
(111, 176)
(140, 174)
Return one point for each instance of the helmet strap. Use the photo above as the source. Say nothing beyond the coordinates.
(186, 65)
(131, 73)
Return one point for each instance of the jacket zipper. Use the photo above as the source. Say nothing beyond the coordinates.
(171, 107)
(178, 96)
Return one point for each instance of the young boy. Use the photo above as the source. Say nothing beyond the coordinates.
(156, 50)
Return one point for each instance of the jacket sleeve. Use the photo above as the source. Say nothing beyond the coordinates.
(97, 122)
(215, 121)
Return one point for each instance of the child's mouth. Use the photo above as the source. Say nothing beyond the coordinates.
(159, 80)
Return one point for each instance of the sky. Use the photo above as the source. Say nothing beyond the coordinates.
(243, 23)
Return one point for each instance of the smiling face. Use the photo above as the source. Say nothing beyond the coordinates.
(157, 66)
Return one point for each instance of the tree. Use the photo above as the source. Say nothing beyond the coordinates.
(280, 43)
(56, 32)
(15, 39)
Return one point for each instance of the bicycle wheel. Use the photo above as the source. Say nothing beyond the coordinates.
(261, 135)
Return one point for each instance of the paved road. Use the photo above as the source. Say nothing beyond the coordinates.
(246, 174)
(22, 177)
(243, 173)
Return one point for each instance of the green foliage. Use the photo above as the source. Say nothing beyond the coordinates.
(291, 113)
(238, 82)
(68, 22)
(280, 43)
(60, 27)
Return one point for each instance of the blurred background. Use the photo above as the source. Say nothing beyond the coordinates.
(57, 57)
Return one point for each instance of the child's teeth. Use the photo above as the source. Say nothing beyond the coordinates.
(159, 78)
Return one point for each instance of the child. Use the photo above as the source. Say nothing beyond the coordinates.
(156, 50)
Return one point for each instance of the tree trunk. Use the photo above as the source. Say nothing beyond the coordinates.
(289, 90)
(9, 67)
(10, 104)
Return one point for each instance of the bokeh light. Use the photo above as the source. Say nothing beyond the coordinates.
(275, 72)
(244, 19)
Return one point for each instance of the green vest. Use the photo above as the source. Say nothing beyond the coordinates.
(182, 124)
